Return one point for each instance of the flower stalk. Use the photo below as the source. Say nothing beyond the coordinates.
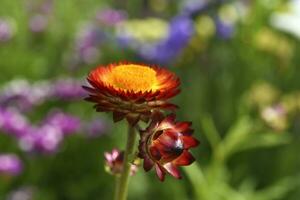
(122, 182)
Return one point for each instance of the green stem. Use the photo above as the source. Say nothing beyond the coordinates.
(117, 183)
(123, 181)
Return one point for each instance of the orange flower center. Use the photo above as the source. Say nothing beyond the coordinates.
(133, 78)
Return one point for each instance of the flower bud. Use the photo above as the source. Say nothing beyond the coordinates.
(165, 144)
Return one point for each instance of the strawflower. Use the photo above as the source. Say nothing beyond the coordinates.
(131, 91)
(165, 144)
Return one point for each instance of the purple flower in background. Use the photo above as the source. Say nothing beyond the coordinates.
(44, 139)
(38, 23)
(66, 123)
(23, 95)
(39, 12)
(68, 89)
(92, 35)
(180, 31)
(225, 29)
(13, 122)
(43, 7)
(10, 165)
(46, 7)
(6, 30)
(48, 139)
(27, 142)
(96, 128)
(111, 17)
(89, 38)
(86, 48)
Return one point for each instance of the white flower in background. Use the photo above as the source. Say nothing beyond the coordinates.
(275, 117)
(288, 21)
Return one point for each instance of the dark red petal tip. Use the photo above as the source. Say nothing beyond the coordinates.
(189, 142)
(173, 170)
(186, 158)
(148, 164)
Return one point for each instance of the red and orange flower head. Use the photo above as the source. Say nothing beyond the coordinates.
(132, 91)
(165, 144)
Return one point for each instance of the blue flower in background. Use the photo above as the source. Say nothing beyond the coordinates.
(194, 7)
(225, 29)
(180, 31)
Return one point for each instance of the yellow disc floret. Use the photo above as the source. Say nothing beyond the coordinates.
(132, 77)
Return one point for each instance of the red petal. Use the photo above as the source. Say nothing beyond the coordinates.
(186, 158)
(187, 132)
(182, 126)
(169, 119)
(173, 170)
(169, 145)
(171, 93)
(155, 153)
(169, 106)
(160, 172)
(92, 82)
(168, 138)
(189, 142)
(168, 154)
(148, 164)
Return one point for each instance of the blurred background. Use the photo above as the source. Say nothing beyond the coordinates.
(238, 61)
